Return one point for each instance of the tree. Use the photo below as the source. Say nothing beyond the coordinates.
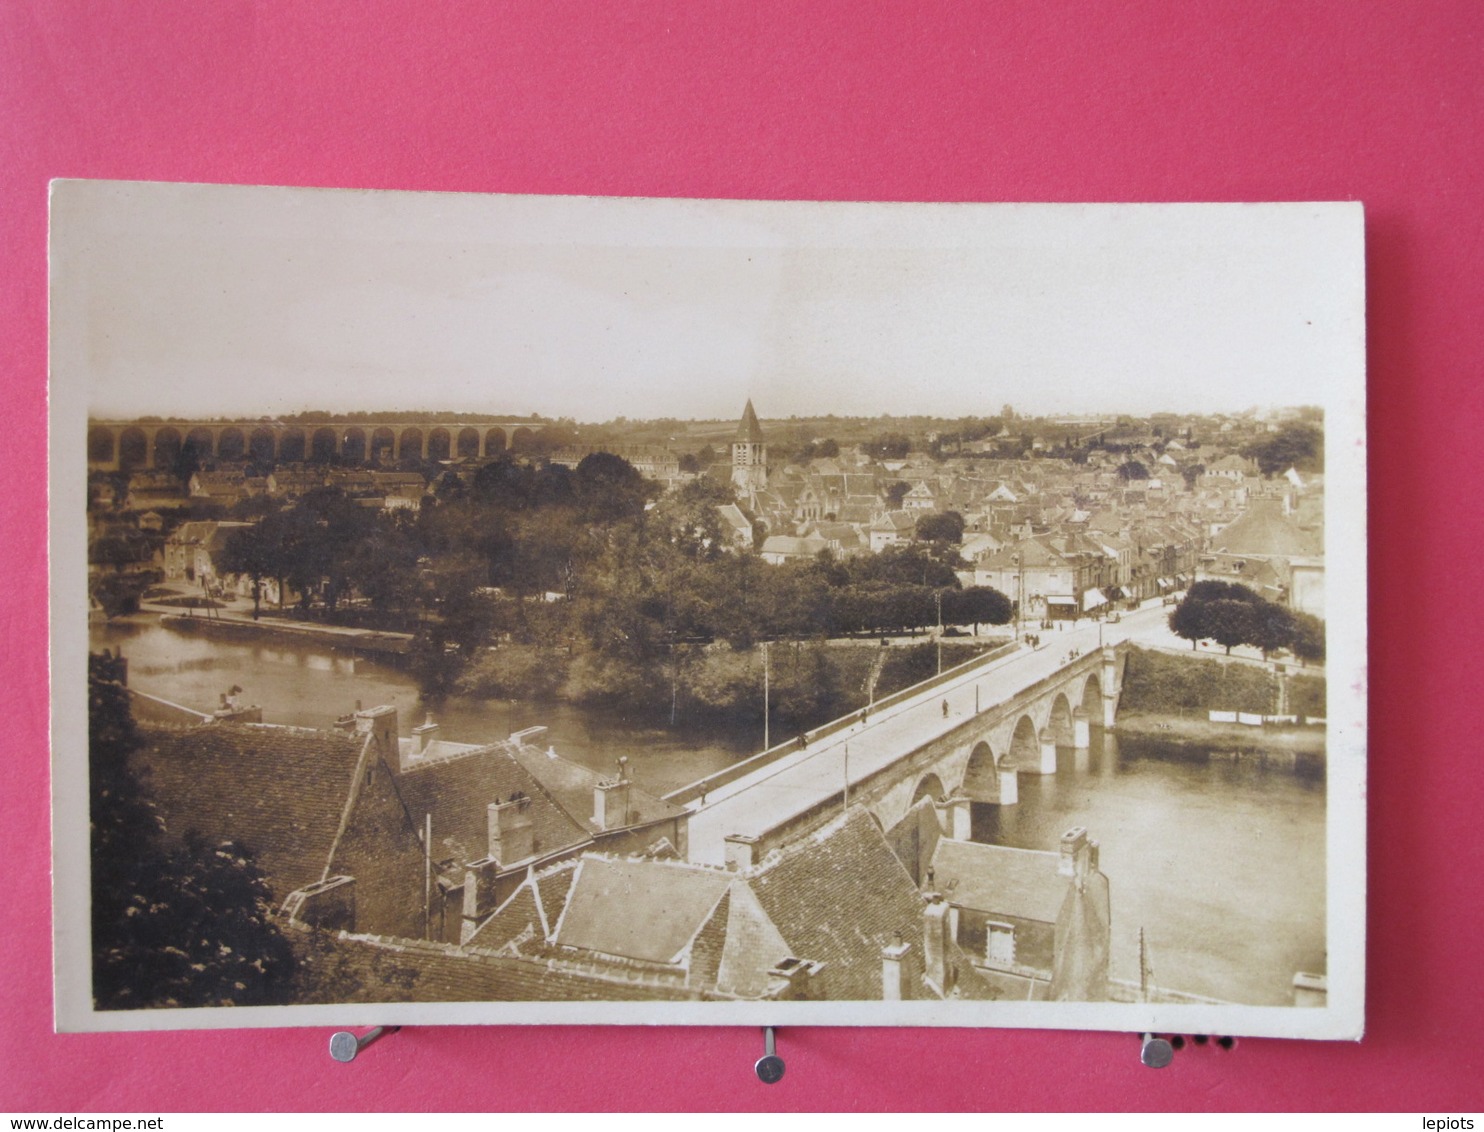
(609, 488)
(1229, 623)
(1295, 445)
(976, 605)
(944, 527)
(1132, 470)
(888, 446)
(1308, 637)
(254, 552)
(174, 922)
(895, 492)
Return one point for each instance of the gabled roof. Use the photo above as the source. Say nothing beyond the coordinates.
(277, 791)
(995, 879)
(636, 908)
(1264, 531)
(458, 791)
(839, 896)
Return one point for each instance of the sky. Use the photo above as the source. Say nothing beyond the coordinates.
(195, 300)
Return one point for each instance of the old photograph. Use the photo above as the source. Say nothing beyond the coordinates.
(536, 609)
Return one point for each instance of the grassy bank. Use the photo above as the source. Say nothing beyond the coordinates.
(1158, 683)
(809, 683)
(1196, 730)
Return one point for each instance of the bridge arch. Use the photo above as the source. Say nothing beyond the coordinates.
(133, 449)
(1025, 744)
(168, 447)
(324, 445)
(291, 446)
(231, 444)
(412, 444)
(468, 442)
(383, 445)
(199, 445)
(353, 445)
(262, 446)
(439, 444)
(494, 441)
(102, 445)
(521, 438)
(1092, 698)
(982, 775)
(1059, 722)
(930, 786)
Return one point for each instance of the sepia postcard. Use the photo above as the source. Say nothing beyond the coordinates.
(508, 609)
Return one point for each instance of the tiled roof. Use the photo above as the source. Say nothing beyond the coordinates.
(277, 791)
(375, 969)
(1264, 530)
(1022, 883)
(458, 791)
(638, 908)
(839, 896)
(573, 785)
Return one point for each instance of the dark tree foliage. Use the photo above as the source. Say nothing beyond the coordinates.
(895, 492)
(945, 527)
(174, 923)
(888, 446)
(1132, 470)
(1232, 614)
(1298, 446)
(976, 605)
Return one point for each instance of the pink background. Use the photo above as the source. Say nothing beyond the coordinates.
(1129, 101)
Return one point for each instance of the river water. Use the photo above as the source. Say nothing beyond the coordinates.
(1220, 861)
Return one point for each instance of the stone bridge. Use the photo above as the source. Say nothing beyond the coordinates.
(959, 739)
(128, 445)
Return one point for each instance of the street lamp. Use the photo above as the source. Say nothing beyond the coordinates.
(1019, 592)
(938, 598)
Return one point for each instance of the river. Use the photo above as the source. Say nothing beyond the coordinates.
(1220, 861)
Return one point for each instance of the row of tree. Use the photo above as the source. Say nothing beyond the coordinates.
(585, 559)
(1232, 614)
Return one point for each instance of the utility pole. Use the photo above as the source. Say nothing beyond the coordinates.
(938, 597)
(846, 805)
(428, 877)
(766, 681)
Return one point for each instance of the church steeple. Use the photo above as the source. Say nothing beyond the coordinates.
(749, 454)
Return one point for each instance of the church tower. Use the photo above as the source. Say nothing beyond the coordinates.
(749, 454)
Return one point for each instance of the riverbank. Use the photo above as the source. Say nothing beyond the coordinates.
(365, 641)
(1194, 731)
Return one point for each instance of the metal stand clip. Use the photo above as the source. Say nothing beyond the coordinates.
(769, 1067)
(344, 1045)
(1156, 1053)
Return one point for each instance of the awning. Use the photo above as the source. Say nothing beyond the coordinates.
(1166, 583)
(1115, 593)
(1061, 601)
(1092, 598)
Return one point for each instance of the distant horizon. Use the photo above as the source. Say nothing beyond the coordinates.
(212, 301)
(540, 418)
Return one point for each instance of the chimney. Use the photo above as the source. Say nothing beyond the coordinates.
(935, 942)
(1073, 862)
(512, 837)
(423, 736)
(611, 799)
(381, 724)
(891, 969)
(803, 980)
(741, 850)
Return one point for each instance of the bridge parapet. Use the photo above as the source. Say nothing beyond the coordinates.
(698, 789)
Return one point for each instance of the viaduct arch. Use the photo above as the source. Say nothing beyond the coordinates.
(139, 445)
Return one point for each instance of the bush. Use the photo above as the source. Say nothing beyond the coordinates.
(519, 672)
